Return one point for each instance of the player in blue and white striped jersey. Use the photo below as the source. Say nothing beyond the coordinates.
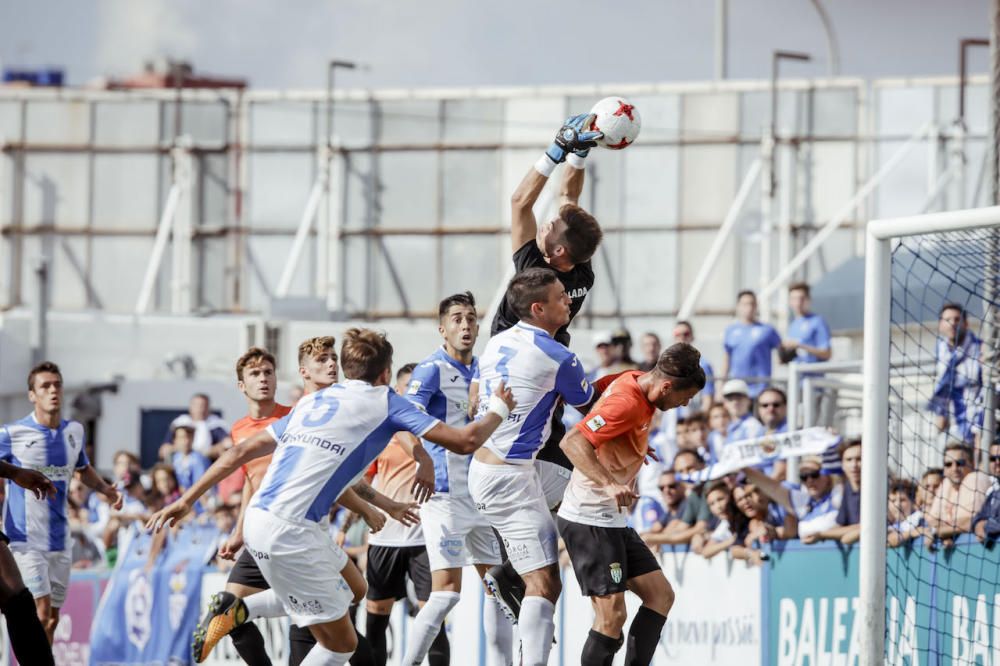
(320, 449)
(503, 480)
(38, 528)
(455, 533)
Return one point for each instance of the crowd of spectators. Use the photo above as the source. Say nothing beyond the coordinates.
(742, 513)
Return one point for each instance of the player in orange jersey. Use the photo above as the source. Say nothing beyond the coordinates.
(607, 449)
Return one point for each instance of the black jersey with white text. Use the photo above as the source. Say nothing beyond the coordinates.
(578, 282)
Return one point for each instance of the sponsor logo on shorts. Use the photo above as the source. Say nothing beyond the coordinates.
(480, 506)
(596, 423)
(451, 546)
(616, 572)
(305, 607)
(517, 552)
(258, 554)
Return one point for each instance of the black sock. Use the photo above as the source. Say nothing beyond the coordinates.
(363, 654)
(249, 644)
(509, 569)
(27, 636)
(375, 627)
(440, 652)
(643, 637)
(599, 650)
(300, 641)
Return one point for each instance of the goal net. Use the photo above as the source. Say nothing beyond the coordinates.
(930, 588)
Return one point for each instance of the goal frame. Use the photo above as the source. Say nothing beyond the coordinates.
(879, 235)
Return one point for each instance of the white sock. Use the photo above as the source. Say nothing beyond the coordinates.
(427, 624)
(499, 635)
(536, 628)
(264, 604)
(320, 656)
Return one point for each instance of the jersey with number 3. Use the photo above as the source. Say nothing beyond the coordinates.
(538, 370)
(327, 442)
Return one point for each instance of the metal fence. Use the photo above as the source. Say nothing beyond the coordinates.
(416, 200)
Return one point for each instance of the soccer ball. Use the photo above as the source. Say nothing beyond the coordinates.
(618, 120)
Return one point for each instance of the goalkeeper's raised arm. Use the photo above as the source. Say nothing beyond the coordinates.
(571, 145)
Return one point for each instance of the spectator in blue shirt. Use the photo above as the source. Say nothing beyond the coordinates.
(848, 527)
(749, 345)
(653, 514)
(958, 372)
(188, 464)
(683, 332)
(742, 424)
(808, 335)
(772, 410)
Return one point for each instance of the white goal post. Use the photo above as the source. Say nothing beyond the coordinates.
(875, 452)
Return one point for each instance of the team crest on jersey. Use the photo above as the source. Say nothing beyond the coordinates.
(616, 572)
(414, 387)
(596, 423)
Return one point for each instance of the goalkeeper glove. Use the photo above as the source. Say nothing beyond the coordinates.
(573, 137)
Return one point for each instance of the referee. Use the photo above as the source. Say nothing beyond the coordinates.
(565, 245)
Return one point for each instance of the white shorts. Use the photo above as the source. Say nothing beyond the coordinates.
(45, 573)
(554, 480)
(513, 501)
(301, 563)
(455, 534)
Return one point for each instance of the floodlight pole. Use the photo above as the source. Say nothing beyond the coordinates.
(768, 178)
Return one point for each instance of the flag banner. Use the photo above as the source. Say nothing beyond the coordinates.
(150, 608)
(756, 451)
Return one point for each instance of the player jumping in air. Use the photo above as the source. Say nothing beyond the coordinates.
(320, 449)
(608, 448)
(564, 244)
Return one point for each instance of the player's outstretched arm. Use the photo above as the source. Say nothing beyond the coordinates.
(374, 518)
(400, 511)
(584, 458)
(574, 137)
(470, 437)
(572, 183)
(259, 445)
(28, 479)
(92, 479)
(423, 479)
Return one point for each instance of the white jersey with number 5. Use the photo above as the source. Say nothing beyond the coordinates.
(327, 442)
(538, 370)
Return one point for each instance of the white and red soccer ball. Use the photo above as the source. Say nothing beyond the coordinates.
(618, 120)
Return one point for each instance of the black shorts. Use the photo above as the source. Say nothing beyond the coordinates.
(388, 568)
(605, 558)
(4, 538)
(246, 572)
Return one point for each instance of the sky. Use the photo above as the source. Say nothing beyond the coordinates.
(443, 43)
